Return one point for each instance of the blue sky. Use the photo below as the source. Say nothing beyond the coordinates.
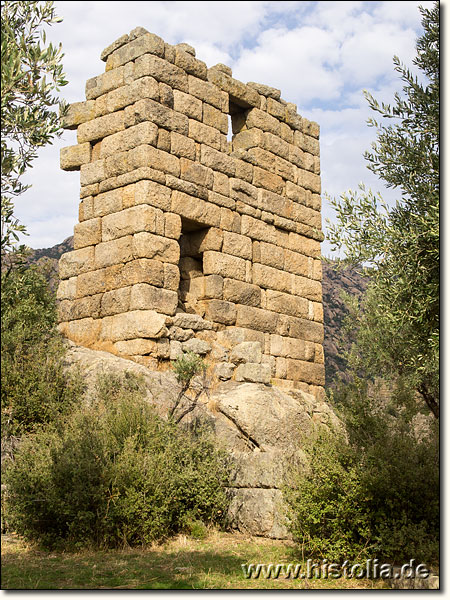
(322, 55)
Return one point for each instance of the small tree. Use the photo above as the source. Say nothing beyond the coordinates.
(399, 322)
(31, 73)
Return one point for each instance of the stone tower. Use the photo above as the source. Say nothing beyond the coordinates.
(189, 239)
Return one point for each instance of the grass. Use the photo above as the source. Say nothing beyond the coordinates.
(181, 563)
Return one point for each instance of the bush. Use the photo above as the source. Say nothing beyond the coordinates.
(115, 473)
(371, 492)
(35, 386)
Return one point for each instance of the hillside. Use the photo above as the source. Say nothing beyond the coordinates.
(334, 283)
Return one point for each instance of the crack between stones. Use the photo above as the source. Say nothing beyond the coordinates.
(243, 433)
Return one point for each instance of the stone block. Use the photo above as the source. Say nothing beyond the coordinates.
(243, 170)
(97, 86)
(80, 308)
(113, 252)
(197, 346)
(116, 302)
(148, 245)
(116, 165)
(224, 371)
(240, 292)
(248, 138)
(204, 134)
(187, 187)
(254, 373)
(287, 304)
(256, 318)
(86, 209)
(195, 209)
(93, 172)
(67, 289)
(163, 116)
(239, 93)
(78, 113)
(142, 133)
(267, 180)
(171, 279)
(268, 277)
(196, 173)
(161, 70)
(268, 254)
(145, 156)
(132, 325)
(215, 118)
(140, 346)
(300, 328)
(220, 311)
(72, 157)
(91, 282)
(244, 192)
(147, 43)
(172, 225)
(129, 221)
(309, 181)
(208, 92)
(220, 200)
(265, 90)
(76, 262)
(297, 263)
(101, 127)
(191, 321)
(237, 245)
(182, 146)
(221, 184)
(144, 296)
(107, 203)
(261, 120)
(299, 370)
(258, 230)
(87, 233)
(216, 263)
(153, 194)
(306, 246)
(84, 332)
(307, 288)
(246, 352)
(219, 161)
(187, 105)
(190, 64)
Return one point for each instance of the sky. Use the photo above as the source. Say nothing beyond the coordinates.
(321, 55)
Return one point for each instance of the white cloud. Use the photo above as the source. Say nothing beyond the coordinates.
(299, 62)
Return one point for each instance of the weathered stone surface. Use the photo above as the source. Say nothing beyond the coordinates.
(133, 324)
(256, 423)
(147, 297)
(87, 233)
(101, 127)
(72, 157)
(253, 372)
(246, 352)
(197, 346)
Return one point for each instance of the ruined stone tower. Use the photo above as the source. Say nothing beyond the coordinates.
(187, 239)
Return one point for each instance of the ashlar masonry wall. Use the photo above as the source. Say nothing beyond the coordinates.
(188, 240)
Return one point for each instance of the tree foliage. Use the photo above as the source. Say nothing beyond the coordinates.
(398, 321)
(31, 74)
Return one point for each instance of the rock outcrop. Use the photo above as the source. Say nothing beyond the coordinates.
(259, 425)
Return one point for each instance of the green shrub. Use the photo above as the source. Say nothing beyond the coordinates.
(372, 491)
(115, 473)
(35, 386)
